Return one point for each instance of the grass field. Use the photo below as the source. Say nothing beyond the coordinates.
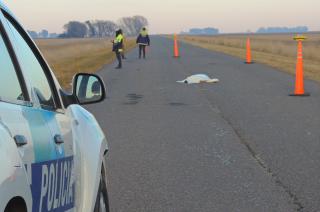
(278, 51)
(69, 56)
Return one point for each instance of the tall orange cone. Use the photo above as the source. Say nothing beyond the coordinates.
(299, 85)
(248, 61)
(176, 48)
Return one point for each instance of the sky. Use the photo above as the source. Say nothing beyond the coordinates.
(171, 16)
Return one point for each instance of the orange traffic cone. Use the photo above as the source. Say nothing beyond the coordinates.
(249, 61)
(176, 48)
(299, 85)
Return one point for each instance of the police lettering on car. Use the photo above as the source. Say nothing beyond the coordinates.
(56, 190)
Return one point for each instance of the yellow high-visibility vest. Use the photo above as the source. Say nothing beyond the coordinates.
(119, 39)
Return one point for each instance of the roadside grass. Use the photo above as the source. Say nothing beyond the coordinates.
(67, 57)
(276, 50)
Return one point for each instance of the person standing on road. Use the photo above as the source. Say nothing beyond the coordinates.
(143, 40)
(118, 47)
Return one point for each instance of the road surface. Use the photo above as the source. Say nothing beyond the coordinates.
(239, 145)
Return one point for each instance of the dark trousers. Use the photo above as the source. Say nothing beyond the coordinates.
(118, 54)
(142, 49)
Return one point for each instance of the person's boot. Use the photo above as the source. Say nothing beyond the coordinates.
(119, 67)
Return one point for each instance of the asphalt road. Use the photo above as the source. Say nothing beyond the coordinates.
(240, 145)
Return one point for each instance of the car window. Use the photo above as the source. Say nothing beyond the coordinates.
(32, 68)
(10, 89)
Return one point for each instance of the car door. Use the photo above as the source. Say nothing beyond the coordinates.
(23, 122)
(51, 172)
(13, 125)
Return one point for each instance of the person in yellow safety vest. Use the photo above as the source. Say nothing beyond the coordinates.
(118, 47)
(143, 40)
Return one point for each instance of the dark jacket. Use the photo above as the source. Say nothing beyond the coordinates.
(143, 39)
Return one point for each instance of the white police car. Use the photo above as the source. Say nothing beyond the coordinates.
(52, 151)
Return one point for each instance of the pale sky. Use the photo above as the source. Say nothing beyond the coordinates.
(171, 16)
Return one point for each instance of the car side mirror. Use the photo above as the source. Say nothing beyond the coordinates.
(88, 88)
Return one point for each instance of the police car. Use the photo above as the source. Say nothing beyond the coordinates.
(52, 151)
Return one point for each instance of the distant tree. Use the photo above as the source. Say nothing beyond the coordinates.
(75, 29)
(91, 30)
(33, 34)
(139, 22)
(63, 35)
(299, 29)
(106, 28)
(44, 34)
(101, 28)
(53, 35)
(210, 31)
(195, 31)
(132, 25)
(127, 25)
(204, 31)
(109, 28)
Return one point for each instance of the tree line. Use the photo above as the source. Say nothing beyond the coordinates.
(131, 26)
(298, 29)
(202, 31)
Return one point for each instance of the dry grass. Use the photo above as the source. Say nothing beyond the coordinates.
(67, 57)
(278, 51)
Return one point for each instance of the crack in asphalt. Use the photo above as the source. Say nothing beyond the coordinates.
(255, 156)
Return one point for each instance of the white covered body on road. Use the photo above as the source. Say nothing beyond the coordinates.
(198, 78)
